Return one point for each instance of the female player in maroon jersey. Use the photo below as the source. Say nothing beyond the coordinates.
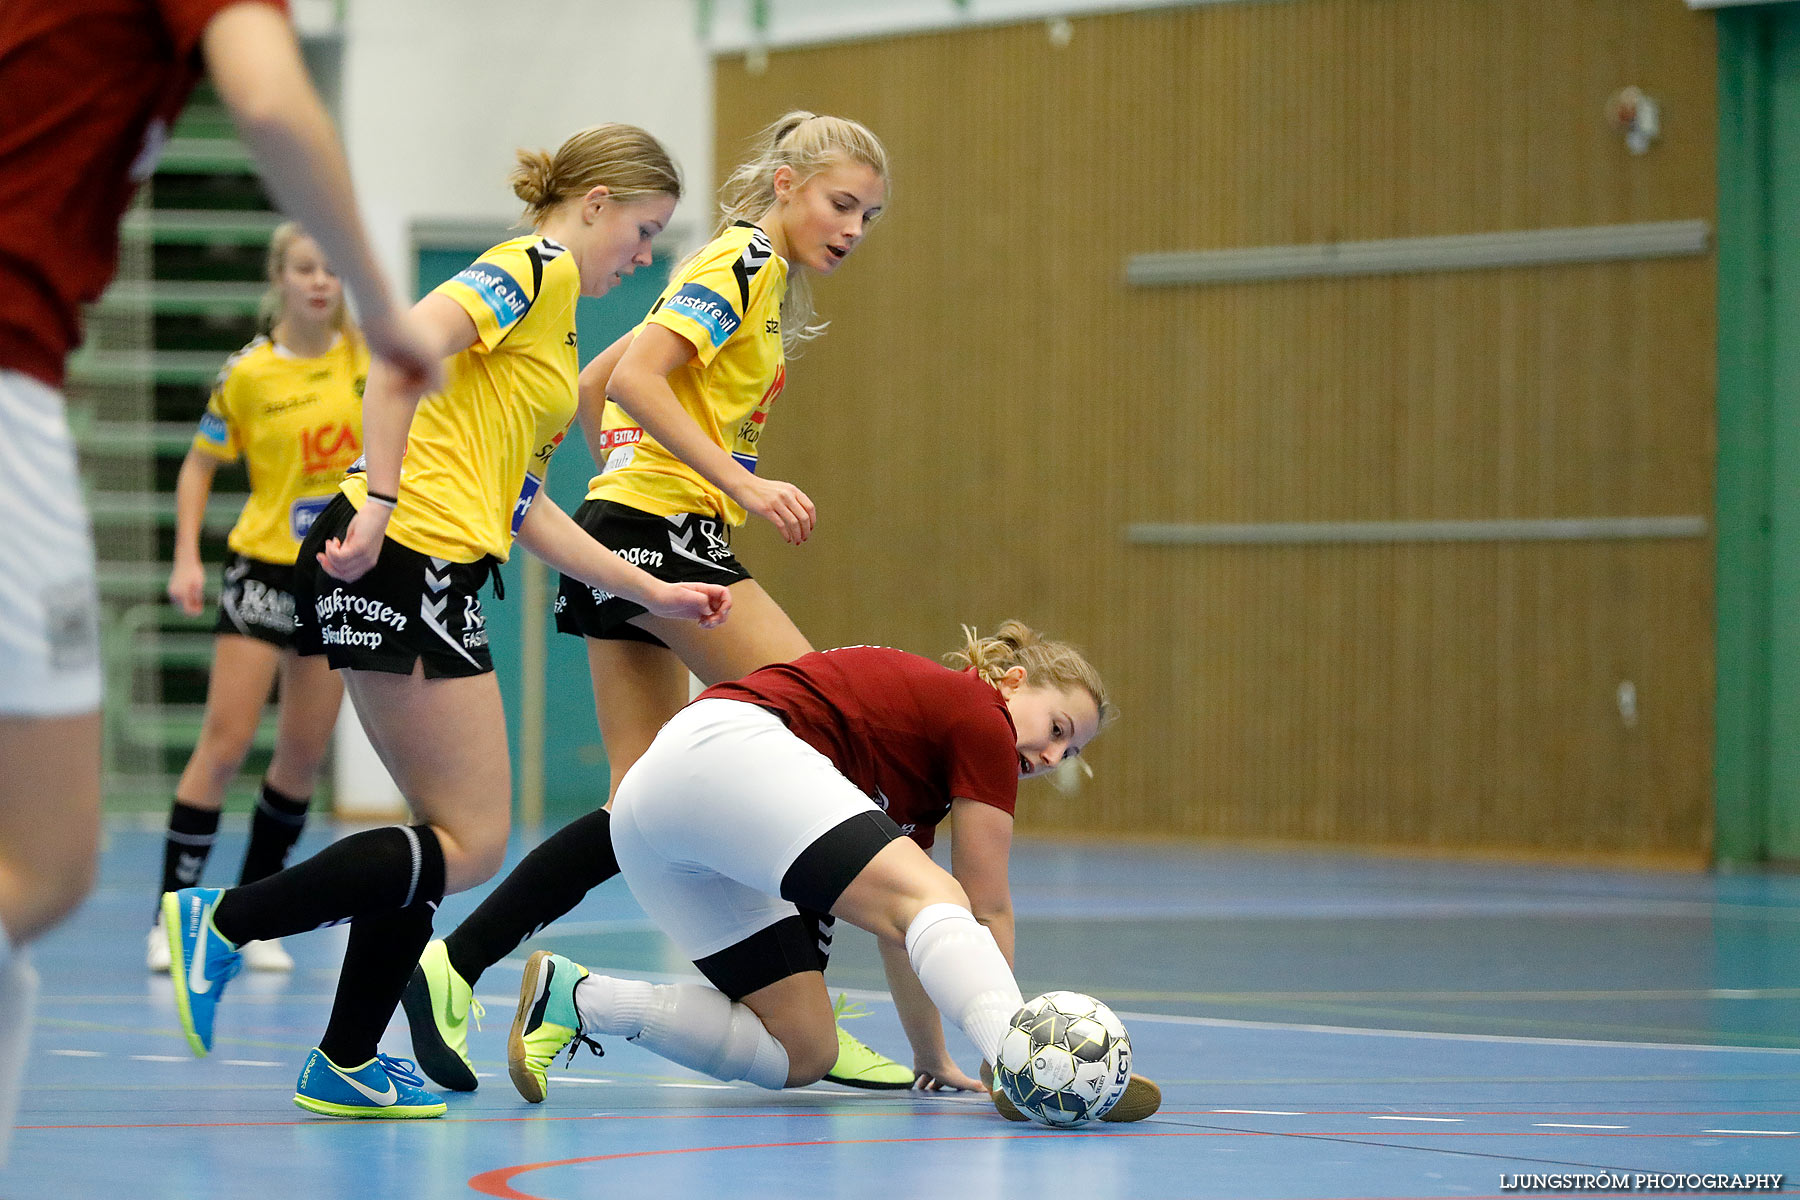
(808, 791)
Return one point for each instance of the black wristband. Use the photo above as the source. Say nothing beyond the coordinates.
(381, 498)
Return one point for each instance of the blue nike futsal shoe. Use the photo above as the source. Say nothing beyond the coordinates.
(384, 1087)
(201, 962)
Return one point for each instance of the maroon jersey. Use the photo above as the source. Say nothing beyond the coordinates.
(88, 90)
(909, 733)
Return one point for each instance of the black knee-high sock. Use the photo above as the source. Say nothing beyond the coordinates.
(547, 883)
(186, 846)
(366, 873)
(274, 828)
(377, 963)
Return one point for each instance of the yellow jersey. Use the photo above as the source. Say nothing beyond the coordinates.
(726, 302)
(478, 451)
(297, 423)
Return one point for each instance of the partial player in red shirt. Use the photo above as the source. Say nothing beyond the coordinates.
(805, 792)
(88, 91)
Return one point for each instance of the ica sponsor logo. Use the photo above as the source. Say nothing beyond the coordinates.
(328, 447)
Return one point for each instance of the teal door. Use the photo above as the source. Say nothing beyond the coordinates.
(574, 762)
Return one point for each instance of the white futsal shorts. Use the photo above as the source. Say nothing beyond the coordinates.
(49, 609)
(708, 822)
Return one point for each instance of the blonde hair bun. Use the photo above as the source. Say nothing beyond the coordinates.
(531, 179)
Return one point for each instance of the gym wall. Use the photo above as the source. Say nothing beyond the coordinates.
(995, 405)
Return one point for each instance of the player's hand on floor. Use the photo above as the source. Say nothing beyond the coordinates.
(945, 1076)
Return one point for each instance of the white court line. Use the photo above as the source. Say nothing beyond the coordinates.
(1435, 1120)
(1257, 1112)
(707, 1087)
(1567, 1125)
(79, 1053)
(1769, 1132)
(159, 1057)
(1420, 1034)
(250, 1062)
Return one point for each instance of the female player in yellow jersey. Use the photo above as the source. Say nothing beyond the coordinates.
(675, 413)
(387, 589)
(290, 405)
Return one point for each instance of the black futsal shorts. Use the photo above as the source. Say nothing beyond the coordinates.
(409, 608)
(256, 600)
(686, 548)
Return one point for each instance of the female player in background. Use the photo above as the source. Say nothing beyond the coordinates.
(290, 405)
(387, 588)
(675, 412)
(88, 92)
(750, 818)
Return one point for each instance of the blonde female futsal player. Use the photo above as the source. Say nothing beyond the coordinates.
(290, 405)
(675, 413)
(810, 788)
(88, 92)
(388, 582)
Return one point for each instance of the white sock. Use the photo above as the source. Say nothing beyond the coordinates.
(964, 973)
(18, 996)
(687, 1024)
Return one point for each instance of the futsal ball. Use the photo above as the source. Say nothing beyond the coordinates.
(1065, 1059)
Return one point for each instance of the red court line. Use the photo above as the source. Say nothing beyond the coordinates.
(498, 1182)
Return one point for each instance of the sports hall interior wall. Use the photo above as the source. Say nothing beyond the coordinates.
(994, 404)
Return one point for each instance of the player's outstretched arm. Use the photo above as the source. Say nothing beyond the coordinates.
(978, 859)
(256, 66)
(553, 536)
(639, 384)
(933, 1067)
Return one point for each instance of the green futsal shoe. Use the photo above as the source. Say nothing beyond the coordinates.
(547, 1021)
(858, 1065)
(438, 1006)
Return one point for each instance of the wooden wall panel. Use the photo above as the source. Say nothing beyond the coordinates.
(993, 405)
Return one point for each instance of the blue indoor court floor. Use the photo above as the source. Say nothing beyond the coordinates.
(1323, 1026)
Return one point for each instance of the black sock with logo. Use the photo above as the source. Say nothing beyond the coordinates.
(186, 845)
(274, 828)
(547, 883)
(383, 949)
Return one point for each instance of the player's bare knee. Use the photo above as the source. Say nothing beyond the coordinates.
(68, 886)
(470, 859)
(810, 1055)
(299, 768)
(223, 747)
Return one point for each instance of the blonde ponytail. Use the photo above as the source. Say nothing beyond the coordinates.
(806, 143)
(1047, 663)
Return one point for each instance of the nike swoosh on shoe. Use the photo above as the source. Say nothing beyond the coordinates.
(383, 1098)
(197, 981)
